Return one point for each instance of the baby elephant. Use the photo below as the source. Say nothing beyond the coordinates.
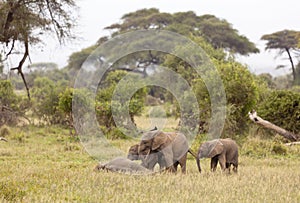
(123, 165)
(224, 151)
(133, 154)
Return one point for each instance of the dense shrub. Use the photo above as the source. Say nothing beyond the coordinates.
(45, 96)
(283, 109)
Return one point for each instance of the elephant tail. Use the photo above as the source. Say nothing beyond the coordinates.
(192, 153)
(198, 164)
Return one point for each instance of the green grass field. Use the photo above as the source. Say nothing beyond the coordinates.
(46, 165)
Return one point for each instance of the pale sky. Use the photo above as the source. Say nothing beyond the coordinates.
(252, 18)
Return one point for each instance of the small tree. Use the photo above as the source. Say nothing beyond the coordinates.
(65, 103)
(8, 103)
(45, 100)
(285, 41)
(23, 22)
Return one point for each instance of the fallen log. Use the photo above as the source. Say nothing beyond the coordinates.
(292, 143)
(3, 139)
(286, 134)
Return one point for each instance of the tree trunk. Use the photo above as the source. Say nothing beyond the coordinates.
(258, 120)
(292, 63)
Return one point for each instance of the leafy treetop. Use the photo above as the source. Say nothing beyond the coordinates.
(217, 31)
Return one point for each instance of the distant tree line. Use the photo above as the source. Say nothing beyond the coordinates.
(52, 93)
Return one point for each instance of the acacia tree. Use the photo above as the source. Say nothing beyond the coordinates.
(23, 22)
(285, 41)
(217, 32)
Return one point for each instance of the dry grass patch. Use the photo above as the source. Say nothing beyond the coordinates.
(40, 169)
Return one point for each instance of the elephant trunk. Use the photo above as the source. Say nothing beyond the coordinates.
(198, 164)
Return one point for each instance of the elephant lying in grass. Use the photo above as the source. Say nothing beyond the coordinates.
(224, 151)
(123, 165)
(153, 159)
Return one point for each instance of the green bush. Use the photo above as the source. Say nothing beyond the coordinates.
(256, 147)
(282, 108)
(45, 96)
(279, 149)
(5, 131)
(114, 133)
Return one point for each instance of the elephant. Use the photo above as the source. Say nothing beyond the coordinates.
(153, 158)
(172, 145)
(224, 151)
(123, 165)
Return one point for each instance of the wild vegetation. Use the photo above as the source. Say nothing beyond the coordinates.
(44, 160)
(46, 165)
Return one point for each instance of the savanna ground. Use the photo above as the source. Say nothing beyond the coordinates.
(47, 165)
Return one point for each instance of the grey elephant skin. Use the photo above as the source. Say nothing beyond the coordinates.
(224, 151)
(172, 145)
(153, 159)
(123, 165)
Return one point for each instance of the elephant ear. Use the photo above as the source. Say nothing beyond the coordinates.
(216, 148)
(159, 139)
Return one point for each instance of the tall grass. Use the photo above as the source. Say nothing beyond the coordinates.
(46, 165)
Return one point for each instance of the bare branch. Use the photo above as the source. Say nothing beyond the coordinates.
(3, 139)
(292, 143)
(21, 63)
(258, 120)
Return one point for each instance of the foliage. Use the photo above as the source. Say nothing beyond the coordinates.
(46, 99)
(66, 97)
(8, 97)
(268, 79)
(259, 148)
(241, 88)
(241, 94)
(216, 31)
(24, 22)
(285, 41)
(42, 66)
(10, 104)
(282, 107)
(52, 168)
(4, 131)
(104, 99)
(76, 59)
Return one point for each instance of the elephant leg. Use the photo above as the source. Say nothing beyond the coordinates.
(235, 167)
(228, 166)
(168, 155)
(222, 161)
(176, 165)
(182, 163)
(214, 163)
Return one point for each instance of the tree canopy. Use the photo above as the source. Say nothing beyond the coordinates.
(25, 22)
(285, 41)
(217, 32)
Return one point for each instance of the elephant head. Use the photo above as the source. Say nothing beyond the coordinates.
(152, 159)
(133, 153)
(223, 150)
(152, 141)
(172, 146)
(209, 150)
